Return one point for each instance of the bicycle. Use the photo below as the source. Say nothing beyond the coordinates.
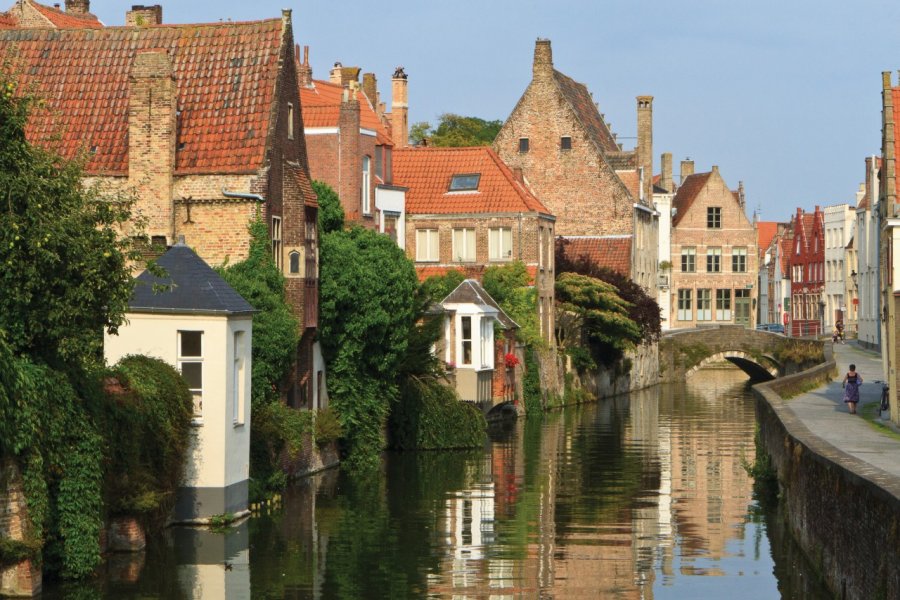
(885, 403)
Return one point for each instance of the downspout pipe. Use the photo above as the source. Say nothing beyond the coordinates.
(256, 197)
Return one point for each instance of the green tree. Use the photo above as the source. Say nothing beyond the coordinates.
(510, 285)
(367, 305)
(456, 131)
(437, 287)
(331, 212)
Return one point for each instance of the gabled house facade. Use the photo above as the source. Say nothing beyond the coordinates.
(867, 280)
(466, 211)
(714, 251)
(766, 233)
(349, 140)
(807, 262)
(201, 126)
(566, 151)
(839, 230)
(27, 14)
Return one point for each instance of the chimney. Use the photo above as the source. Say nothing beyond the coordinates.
(335, 76)
(152, 129)
(350, 169)
(687, 169)
(542, 69)
(872, 181)
(645, 141)
(370, 88)
(78, 6)
(143, 16)
(665, 178)
(399, 109)
(304, 71)
(888, 158)
(742, 199)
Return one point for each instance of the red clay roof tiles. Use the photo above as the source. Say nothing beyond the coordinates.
(225, 74)
(612, 252)
(765, 231)
(579, 98)
(324, 100)
(67, 20)
(687, 193)
(427, 172)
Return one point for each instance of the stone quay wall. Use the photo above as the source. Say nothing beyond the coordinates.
(844, 513)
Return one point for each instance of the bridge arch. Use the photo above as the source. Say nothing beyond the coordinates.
(749, 364)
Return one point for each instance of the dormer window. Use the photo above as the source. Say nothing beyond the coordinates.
(465, 183)
(523, 145)
(565, 143)
(290, 121)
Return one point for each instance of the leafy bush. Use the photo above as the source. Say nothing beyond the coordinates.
(430, 416)
(331, 213)
(276, 429)
(531, 384)
(437, 287)
(328, 427)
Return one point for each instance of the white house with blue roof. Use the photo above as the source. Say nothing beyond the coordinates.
(193, 320)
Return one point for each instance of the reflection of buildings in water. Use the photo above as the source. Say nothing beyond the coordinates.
(213, 565)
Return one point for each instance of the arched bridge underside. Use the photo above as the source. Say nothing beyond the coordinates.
(683, 352)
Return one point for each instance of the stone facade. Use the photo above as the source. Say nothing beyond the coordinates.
(714, 255)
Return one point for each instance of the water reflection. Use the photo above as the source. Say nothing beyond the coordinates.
(638, 497)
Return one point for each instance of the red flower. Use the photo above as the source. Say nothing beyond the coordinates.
(511, 360)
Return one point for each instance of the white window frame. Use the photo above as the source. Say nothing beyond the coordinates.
(500, 243)
(189, 359)
(736, 255)
(276, 243)
(239, 379)
(716, 254)
(290, 121)
(723, 313)
(463, 340)
(428, 247)
(487, 343)
(704, 304)
(689, 255)
(464, 247)
(685, 304)
(366, 185)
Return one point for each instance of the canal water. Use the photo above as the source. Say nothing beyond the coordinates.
(639, 497)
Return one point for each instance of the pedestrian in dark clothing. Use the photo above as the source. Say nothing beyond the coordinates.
(852, 381)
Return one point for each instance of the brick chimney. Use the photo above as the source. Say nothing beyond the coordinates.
(370, 88)
(888, 158)
(335, 75)
(687, 169)
(399, 109)
(152, 129)
(78, 6)
(665, 177)
(304, 69)
(645, 141)
(142, 16)
(742, 198)
(348, 138)
(542, 68)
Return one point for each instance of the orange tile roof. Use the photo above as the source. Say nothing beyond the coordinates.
(67, 20)
(612, 252)
(687, 193)
(427, 172)
(765, 231)
(225, 74)
(6, 21)
(324, 100)
(582, 103)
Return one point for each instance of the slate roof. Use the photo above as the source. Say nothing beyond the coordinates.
(322, 108)
(612, 252)
(225, 74)
(195, 288)
(55, 17)
(427, 172)
(471, 292)
(579, 98)
(687, 193)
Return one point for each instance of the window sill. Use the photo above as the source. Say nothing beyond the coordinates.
(427, 260)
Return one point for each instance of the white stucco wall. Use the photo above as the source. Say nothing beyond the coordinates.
(392, 200)
(663, 204)
(220, 450)
(839, 229)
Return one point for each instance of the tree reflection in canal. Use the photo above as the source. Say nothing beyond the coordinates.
(642, 496)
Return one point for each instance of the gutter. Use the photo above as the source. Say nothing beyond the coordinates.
(256, 197)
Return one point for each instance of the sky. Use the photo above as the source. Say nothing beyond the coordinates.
(782, 95)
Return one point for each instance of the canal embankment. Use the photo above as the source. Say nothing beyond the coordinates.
(839, 478)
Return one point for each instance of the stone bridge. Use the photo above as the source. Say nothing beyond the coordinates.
(683, 352)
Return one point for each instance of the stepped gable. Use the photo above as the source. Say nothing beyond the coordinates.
(471, 292)
(579, 98)
(687, 193)
(612, 252)
(427, 173)
(225, 74)
(194, 287)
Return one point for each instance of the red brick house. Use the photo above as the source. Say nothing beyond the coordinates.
(201, 125)
(566, 151)
(30, 14)
(806, 259)
(466, 210)
(349, 143)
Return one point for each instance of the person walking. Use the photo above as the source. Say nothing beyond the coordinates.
(851, 383)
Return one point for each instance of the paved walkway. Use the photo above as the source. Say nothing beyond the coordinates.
(825, 414)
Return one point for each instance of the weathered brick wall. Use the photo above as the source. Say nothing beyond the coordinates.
(736, 232)
(27, 16)
(23, 579)
(844, 513)
(216, 229)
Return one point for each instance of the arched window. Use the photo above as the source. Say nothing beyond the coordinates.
(366, 185)
(294, 259)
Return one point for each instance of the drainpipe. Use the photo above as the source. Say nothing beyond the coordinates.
(256, 197)
(520, 236)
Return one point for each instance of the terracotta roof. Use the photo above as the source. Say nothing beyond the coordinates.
(67, 20)
(225, 74)
(6, 21)
(324, 100)
(687, 193)
(786, 244)
(612, 252)
(579, 98)
(765, 231)
(632, 181)
(427, 172)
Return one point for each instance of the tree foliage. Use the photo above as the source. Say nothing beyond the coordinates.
(331, 212)
(510, 286)
(438, 287)
(456, 131)
(367, 305)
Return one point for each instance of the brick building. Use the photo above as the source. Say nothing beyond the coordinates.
(467, 210)
(714, 251)
(766, 244)
(201, 125)
(807, 264)
(566, 151)
(866, 282)
(889, 223)
(29, 14)
(349, 141)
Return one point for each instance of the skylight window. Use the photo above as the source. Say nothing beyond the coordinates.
(465, 183)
